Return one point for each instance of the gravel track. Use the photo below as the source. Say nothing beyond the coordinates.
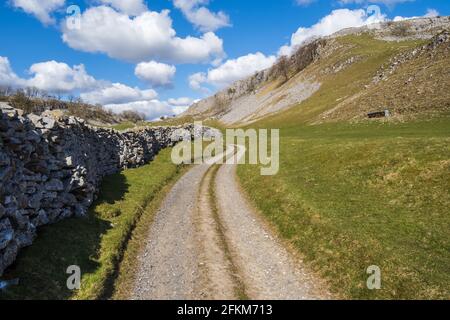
(268, 270)
(169, 262)
(214, 247)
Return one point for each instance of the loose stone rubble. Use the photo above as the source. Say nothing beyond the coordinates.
(50, 169)
(429, 49)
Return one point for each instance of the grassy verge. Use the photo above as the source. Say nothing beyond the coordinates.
(351, 196)
(96, 243)
(170, 122)
(124, 126)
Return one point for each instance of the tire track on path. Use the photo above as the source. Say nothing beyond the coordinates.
(206, 242)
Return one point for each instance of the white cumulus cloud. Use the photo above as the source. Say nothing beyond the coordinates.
(152, 109)
(183, 101)
(200, 16)
(389, 3)
(50, 76)
(335, 21)
(59, 77)
(41, 9)
(196, 80)
(232, 70)
(7, 76)
(180, 105)
(117, 93)
(431, 13)
(129, 7)
(155, 73)
(148, 36)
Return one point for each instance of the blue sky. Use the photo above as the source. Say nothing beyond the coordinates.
(137, 55)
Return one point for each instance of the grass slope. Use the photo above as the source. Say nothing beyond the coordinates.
(349, 196)
(96, 243)
(341, 85)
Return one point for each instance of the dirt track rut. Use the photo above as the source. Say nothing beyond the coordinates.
(208, 243)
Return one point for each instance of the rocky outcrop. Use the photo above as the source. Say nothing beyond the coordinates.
(265, 92)
(408, 29)
(50, 169)
(246, 98)
(429, 49)
(257, 96)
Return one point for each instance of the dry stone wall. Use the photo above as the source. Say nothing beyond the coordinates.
(51, 169)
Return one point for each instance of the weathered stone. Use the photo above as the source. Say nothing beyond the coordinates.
(49, 123)
(31, 190)
(68, 199)
(9, 200)
(6, 233)
(14, 140)
(69, 162)
(80, 211)
(35, 119)
(8, 255)
(8, 110)
(65, 213)
(33, 136)
(54, 185)
(41, 219)
(4, 159)
(20, 219)
(35, 201)
(37, 177)
(5, 173)
(50, 195)
(26, 237)
(2, 211)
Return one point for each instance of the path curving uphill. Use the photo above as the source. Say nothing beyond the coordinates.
(207, 242)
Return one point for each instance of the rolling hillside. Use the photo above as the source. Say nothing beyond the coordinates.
(395, 66)
(351, 191)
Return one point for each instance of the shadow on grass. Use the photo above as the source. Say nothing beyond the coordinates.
(41, 268)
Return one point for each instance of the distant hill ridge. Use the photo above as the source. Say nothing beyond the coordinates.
(293, 80)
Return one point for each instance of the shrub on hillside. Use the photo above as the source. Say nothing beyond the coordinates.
(32, 100)
(281, 68)
(400, 30)
(90, 112)
(132, 116)
(20, 101)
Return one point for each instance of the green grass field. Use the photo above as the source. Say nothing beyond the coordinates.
(123, 126)
(127, 125)
(96, 243)
(352, 195)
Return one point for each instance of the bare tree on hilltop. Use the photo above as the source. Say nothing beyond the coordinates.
(33, 100)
